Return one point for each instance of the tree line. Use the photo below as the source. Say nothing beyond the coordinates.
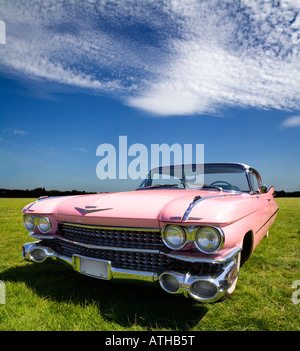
(38, 192)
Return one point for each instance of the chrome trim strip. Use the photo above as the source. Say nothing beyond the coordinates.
(267, 221)
(90, 226)
(91, 246)
(40, 236)
(118, 273)
(193, 204)
(203, 259)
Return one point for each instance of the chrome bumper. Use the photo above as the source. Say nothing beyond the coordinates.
(202, 288)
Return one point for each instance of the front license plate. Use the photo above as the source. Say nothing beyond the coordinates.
(95, 268)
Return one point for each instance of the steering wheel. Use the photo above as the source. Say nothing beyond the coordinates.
(219, 183)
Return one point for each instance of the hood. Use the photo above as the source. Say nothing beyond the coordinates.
(142, 208)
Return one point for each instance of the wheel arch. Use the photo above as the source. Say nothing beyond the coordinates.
(247, 246)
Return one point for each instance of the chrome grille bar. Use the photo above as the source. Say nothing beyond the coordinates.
(131, 238)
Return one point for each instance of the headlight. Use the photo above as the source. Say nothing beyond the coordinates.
(209, 239)
(29, 222)
(44, 224)
(174, 237)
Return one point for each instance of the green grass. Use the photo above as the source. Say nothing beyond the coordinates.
(51, 296)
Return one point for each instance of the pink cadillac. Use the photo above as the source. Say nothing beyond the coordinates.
(191, 238)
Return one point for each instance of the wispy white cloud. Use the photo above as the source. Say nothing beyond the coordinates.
(19, 132)
(291, 3)
(291, 122)
(228, 57)
(11, 131)
(82, 150)
(164, 57)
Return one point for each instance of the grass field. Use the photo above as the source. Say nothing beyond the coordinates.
(51, 296)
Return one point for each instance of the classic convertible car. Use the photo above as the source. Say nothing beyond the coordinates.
(187, 236)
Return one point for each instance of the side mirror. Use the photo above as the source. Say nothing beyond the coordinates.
(263, 188)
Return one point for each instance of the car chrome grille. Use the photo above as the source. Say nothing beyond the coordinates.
(112, 237)
(132, 260)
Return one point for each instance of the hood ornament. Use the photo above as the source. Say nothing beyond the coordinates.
(90, 209)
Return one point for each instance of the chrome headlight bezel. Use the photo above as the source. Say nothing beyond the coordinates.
(33, 221)
(210, 232)
(48, 224)
(169, 243)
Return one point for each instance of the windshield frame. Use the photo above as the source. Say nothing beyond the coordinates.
(247, 170)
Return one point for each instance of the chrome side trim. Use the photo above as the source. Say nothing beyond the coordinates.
(194, 203)
(267, 221)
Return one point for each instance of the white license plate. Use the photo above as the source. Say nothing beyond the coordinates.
(95, 268)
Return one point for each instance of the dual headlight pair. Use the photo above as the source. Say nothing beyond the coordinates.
(43, 223)
(206, 239)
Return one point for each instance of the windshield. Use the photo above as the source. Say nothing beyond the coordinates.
(218, 177)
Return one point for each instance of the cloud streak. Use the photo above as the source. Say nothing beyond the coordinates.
(164, 57)
(11, 131)
(291, 122)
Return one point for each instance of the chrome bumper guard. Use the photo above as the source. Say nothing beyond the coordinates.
(202, 288)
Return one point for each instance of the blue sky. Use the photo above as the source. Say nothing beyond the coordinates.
(74, 75)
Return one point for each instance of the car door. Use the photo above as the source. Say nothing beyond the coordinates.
(266, 204)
